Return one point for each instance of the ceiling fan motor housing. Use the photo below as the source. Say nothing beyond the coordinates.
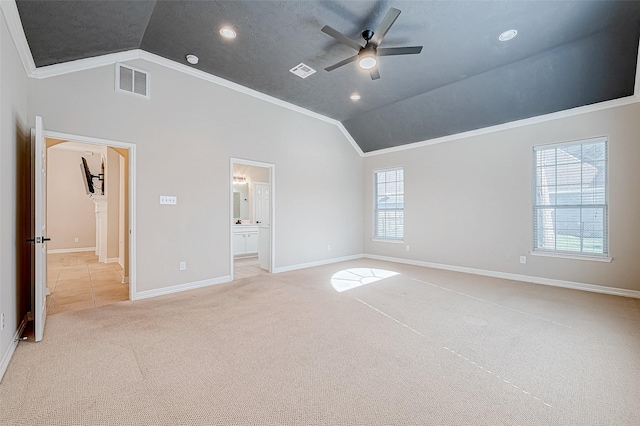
(368, 50)
(367, 35)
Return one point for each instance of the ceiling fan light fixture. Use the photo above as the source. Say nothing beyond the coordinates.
(367, 62)
(367, 58)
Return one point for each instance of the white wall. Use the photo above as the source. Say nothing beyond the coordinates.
(14, 171)
(185, 135)
(70, 211)
(468, 202)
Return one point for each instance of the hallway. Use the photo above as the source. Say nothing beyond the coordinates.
(78, 281)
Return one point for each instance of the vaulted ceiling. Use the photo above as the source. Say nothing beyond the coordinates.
(566, 54)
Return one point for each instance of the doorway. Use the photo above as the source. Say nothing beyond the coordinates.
(90, 218)
(252, 221)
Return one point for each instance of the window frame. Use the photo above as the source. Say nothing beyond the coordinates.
(577, 255)
(376, 237)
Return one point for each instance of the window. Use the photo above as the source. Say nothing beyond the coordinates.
(570, 200)
(389, 204)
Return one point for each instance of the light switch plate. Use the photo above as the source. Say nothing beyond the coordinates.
(168, 199)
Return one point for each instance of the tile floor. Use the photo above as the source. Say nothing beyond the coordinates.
(247, 267)
(78, 281)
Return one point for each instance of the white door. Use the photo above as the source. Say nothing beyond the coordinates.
(261, 203)
(40, 238)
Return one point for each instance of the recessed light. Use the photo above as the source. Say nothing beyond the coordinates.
(227, 32)
(192, 59)
(508, 35)
(354, 97)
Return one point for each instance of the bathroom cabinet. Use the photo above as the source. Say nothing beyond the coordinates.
(245, 240)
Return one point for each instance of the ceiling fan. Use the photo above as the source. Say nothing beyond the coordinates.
(367, 56)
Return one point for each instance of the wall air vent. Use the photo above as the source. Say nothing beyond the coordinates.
(302, 70)
(132, 80)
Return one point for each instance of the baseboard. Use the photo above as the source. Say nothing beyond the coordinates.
(12, 348)
(71, 250)
(245, 255)
(316, 263)
(515, 277)
(112, 260)
(180, 287)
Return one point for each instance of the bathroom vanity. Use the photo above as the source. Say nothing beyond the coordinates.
(245, 240)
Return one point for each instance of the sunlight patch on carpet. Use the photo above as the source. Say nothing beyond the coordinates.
(356, 277)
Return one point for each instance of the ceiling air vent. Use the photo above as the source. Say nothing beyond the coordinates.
(132, 80)
(302, 70)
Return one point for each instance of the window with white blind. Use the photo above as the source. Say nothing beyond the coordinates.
(570, 200)
(389, 204)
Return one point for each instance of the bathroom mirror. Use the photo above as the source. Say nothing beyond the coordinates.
(236, 205)
(241, 202)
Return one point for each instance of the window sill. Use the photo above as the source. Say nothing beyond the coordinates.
(382, 240)
(606, 259)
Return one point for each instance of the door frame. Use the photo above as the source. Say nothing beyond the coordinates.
(132, 192)
(272, 209)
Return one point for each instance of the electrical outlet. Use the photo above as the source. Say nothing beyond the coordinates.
(407, 247)
(2, 321)
(168, 199)
(76, 239)
(183, 266)
(523, 259)
(329, 247)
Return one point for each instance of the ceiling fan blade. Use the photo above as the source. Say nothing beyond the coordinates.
(340, 37)
(375, 74)
(341, 63)
(389, 51)
(385, 25)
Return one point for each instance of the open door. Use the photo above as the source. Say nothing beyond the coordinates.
(261, 199)
(40, 228)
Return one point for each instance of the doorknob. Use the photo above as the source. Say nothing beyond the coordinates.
(37, 240)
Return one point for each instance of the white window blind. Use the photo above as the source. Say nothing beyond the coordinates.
(570, 200)
(389, 204)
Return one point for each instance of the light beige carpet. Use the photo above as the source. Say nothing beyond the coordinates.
(424, 347)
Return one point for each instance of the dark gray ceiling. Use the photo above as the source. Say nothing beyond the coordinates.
(567, 54)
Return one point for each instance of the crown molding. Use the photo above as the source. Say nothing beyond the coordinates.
(186, 69)
(11, 16)
(511, 125)
(350, 138)
(84, 64)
